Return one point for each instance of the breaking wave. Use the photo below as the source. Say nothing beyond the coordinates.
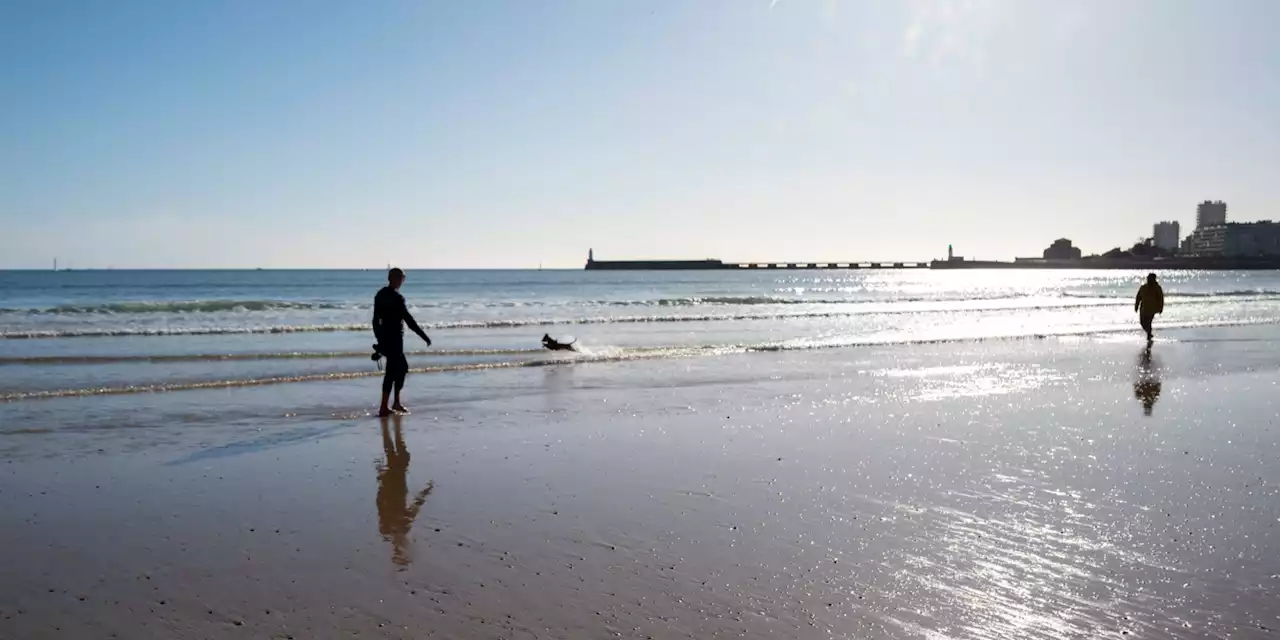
(232, 357)
(846, 311)
(613, 355)
(1242, 293)
(215, 306)
(242, 306)
(180, 306)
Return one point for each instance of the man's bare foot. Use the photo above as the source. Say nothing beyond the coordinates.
(384, 412)
(399, 408)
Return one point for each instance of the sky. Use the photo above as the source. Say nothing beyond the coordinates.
(484, 133)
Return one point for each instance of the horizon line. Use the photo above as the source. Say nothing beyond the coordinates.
(63, 270)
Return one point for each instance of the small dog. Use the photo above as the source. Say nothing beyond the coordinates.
(555, 345)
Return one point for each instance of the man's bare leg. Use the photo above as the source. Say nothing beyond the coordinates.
(397, 407)
(397, 368)
(383, 411)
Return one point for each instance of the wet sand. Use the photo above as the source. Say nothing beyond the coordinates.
(1061, 488)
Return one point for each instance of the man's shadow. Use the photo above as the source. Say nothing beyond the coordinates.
(1146, 386)
(395, 513)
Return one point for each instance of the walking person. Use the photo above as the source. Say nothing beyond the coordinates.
(390, 315)
(1150, 301)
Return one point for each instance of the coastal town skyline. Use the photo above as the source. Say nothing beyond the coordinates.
(1211, 216)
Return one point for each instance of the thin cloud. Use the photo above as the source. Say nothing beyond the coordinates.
(939, 30)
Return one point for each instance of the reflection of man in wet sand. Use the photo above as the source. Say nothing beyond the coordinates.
(395, 514)
(1147, 387)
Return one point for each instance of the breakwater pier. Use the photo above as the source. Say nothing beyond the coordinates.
(1148, 264)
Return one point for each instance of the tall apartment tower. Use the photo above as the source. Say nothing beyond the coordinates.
(1210, 214)
(1166, 235)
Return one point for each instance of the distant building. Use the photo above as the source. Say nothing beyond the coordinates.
(1061, 249)
(1188, 244)
(1238, 240)
(1252, 239)
(1209, 240)
(1165, 235)
(1209, 214)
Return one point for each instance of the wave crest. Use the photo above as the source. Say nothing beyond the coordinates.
(728, 316)
(615, 355)
(179, 306)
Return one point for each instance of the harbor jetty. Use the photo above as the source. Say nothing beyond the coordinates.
(952, 262)
(712, 264)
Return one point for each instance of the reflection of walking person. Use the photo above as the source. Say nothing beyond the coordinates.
(390, 315)
(395, 513)
(1146, 388)
(1150, 301)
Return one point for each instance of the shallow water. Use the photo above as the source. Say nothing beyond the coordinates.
(88, 333)
(840, 454)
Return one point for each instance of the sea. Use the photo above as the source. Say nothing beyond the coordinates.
(968, 454)
(94, 333)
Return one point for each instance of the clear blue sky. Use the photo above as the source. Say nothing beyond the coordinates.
(481, 133)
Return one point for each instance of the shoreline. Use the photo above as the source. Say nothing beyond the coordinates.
(482, 360)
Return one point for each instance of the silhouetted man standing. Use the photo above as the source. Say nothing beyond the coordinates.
(1149, 302)
(390, 315)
